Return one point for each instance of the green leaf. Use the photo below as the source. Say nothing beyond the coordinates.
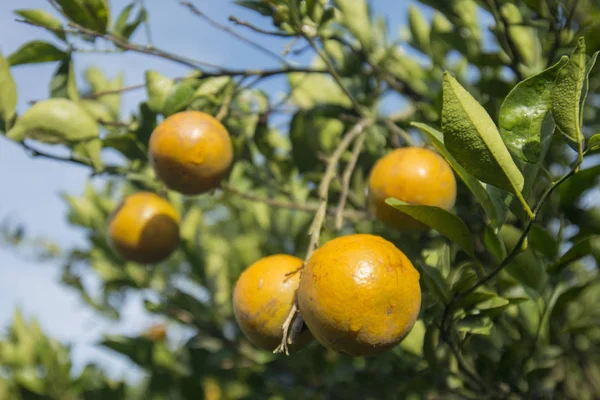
(579, 250)
(258, 6)
(413, 343)
(593, 143)
(526, 267)
(523, 112)
(475, 325)
(63, 82)
(566, 96)
(492, 241)
(36, 51)
(8, 92)
(212, 86)
(43, 18)
(54, 121)
(91, 14)
(97, 110)
(179, 97)
(309, 90)
(89, 150)
(420, 29)
(576, 185)
(99, 83)
(524, 38)
(472, 138)
(158, 88)
(543, 242)
(126, 145)
(123, 29)
(439, 219)
(496, 213)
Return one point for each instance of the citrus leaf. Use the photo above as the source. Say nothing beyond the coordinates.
(475, 325)
(355, 18)
(577, 251)
(123, 29)
(212, 86)
(576, 185)
(34, 52)
(99, 83)
(91, 14)
(526, 267)
(419, 28)
(54, 121)
(63, 82)
(475, 186)
(566, 96)
(493, 243)
(179, 98)
(439, 219)
(90, 150)
(158, 88)
(43, 18)
(593, 143)
(472, 138)
(8, 92)
(523, 111)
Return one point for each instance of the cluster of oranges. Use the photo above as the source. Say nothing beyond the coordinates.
(357, 294)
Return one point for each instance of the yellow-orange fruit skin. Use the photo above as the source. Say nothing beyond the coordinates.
(414, 175)
(191, 152)
(263, 297)
(144, 228)
(359, 295)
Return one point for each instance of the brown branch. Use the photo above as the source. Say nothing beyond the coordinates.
(196, 11)
(319, 219)
(260, 30)
(395, 129)
(346, 177)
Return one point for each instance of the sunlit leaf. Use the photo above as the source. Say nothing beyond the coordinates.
(443, 221)
(34, 52)
(43, 18)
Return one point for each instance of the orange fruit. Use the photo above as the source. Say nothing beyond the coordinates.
(359, 295)
(414, 175)
(190, 152)
(263, 297)
(144, 228)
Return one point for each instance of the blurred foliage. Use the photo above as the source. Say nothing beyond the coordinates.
(531, 332)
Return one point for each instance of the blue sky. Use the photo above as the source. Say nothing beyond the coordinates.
(31, 187)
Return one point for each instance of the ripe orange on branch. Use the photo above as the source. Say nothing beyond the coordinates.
(414, 175)
(144, 228)
(263, 297)
(359, 294)
(191, 152)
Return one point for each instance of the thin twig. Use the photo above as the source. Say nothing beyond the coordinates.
(196, 11)
(307, 207)
(400, 132)
(515, 56)
(260, 30)
(335, 75)
(107, 169)
(319, 218)
(346, 177)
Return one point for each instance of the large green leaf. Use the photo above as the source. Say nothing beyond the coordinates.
(525, 38)
(179, 98)
(567, 94)
(158, 88)
(523, 112)
(63, 82)
(91, 14)
(496, 213)
(55, 121)
(34, 52)
(420, 29)
(439, 219)
(472, 138)
(526, 267)
(355, 18)
(8, 92)
(90, 150)
(576, 252)
(43, 18)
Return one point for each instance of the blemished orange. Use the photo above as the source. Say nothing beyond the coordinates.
(144, 228)
(191, 152)
(359, 294)
(414, 175)
(262, 299)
